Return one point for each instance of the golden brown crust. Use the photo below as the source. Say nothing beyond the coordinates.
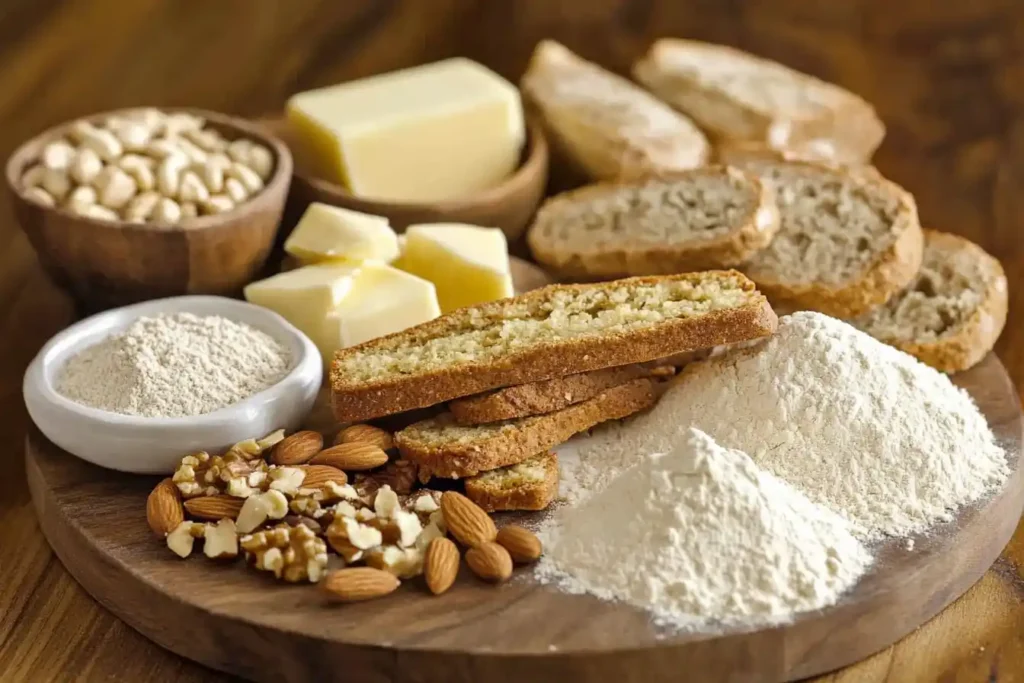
(355, 402)
(750, 236)
(541, 397)
(517, 440)
(531, 496)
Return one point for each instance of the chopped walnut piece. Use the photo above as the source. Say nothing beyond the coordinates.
(405, 563)
(429, 533)
(221, 540)
(202, 474)
(285, 479)
(292, 553)
(350, 538)
(259, 508)
(386, 503)
(182, 539)
(424, 502)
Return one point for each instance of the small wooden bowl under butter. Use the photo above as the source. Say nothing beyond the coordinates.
(107, 262)
(509, 205)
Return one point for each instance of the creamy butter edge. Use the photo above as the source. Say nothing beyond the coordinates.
(428, 133)
(329, 232)
(467, 264)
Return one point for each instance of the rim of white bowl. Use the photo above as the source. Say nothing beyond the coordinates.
(308, 359)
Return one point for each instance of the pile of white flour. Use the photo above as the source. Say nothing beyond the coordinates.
(702, 532)
(859, 427)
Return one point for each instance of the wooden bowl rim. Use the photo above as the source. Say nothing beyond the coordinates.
(276, 186)
(536, 159)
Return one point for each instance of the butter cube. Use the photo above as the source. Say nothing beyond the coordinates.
(304, 296)
(467, 264)
(327, 233)
(428, 133)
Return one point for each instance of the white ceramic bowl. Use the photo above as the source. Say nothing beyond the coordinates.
(149, 445)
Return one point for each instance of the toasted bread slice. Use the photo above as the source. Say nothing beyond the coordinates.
(443, 448)
(739, 97)
(529, 485)
(705, 218)
(550, 332)
(848, 241)
(547, 395)
(952, 313)
(604, 126)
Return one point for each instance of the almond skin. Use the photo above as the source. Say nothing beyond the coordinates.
(522, 545)
(361, 433)
(355, 584)
(298, 448)
(440, 565)
(214, 508)
(318, 475)
(163, 508)
(466, 520)
(490, 562)
(352, 457)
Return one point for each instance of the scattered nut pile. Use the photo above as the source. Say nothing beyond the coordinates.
(287, 505)
(146, 166)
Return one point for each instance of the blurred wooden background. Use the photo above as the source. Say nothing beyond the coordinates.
(946, 76)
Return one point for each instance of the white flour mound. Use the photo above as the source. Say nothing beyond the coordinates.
(703, 533)
(859, 427)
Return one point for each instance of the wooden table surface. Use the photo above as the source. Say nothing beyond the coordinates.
(948, 78)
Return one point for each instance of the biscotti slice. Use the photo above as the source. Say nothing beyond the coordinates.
(442, 448)
(605, 126)
(952, 313)
(529, 485)
(848, 241)
(705, 218)
(545, 396)
(737, 96)
(549, 332)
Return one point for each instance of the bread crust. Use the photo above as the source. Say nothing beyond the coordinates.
(523, 438)
(541, 397)
(355, 402)
(748, 237)
(533, 496)
(978, 334)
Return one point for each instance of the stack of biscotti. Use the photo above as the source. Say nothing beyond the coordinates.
(520, 376)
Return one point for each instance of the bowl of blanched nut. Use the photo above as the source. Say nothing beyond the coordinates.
(145, 203)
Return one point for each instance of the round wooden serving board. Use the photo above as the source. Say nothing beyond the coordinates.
(241, 621)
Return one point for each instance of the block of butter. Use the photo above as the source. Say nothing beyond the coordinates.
(326, 233)
(342, 304)
(427, 133)
(467, 264)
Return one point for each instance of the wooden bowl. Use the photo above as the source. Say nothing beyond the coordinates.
(508, 206)
(111, 263)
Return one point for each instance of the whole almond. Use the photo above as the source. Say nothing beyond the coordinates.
(522, 545)
(360, 583)
(490, 562)
(214, 508)
(466, 520)
(318, 475)
(163, 508)
(365, 434)
(354, 456)
(440, 565)
(298, 448)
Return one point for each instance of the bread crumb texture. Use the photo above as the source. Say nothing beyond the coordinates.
(527, 473)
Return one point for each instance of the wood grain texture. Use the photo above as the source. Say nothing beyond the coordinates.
(947, 78)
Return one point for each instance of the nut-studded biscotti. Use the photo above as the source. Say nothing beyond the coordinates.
(547, 395)
(529, 485)
(952, 313)
(442, 448)
(713, 217)
(848, 240)
(602, 124)
(549, 332)
(739, 97)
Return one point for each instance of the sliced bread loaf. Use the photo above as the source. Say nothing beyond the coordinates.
(442, 448)
(848, 241)
(705, 218)
(954, 310)
(740, 97)
(549, 332)
(602, 124)
(529, 485)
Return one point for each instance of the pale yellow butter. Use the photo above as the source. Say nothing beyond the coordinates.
(304, 296)
(467, 264)
(327, 233)
(428, 133)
